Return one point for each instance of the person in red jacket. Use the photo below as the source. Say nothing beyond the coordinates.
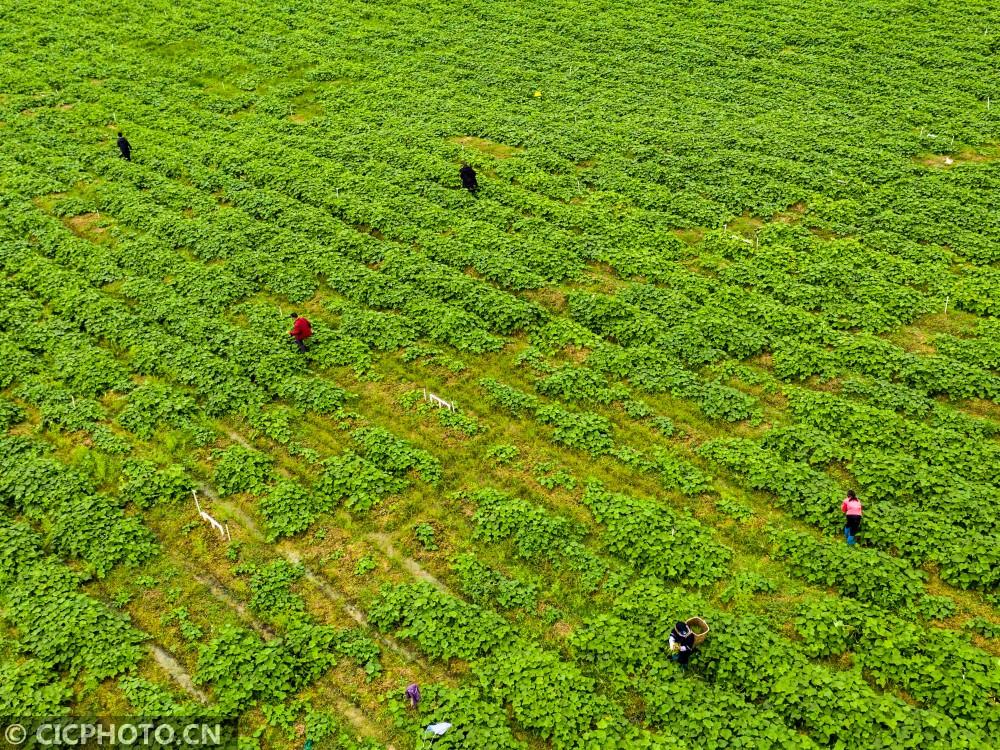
(301, 330)
(851, 507)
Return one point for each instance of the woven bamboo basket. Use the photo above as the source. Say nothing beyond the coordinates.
(700, 629)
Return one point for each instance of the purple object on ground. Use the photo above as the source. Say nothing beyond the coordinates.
(413, 693)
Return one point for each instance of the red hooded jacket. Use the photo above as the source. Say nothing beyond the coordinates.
(301, 329)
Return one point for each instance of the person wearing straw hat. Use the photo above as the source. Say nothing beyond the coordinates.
(682, 643)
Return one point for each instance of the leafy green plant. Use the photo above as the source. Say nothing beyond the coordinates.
(426, 535)
(581, 430)
(233, 551)
(933, 665)
(10, 414)
(745, 583)
(732, 508)
(693, 265)
(865, 574)
(537, 535)
(477, 723)
(460, 421)
(243, 669)
(982, 626)
(396, 456)
(189, 630)
(488, 587)
(357, 481)
(503, 454)
(443, 626)
(655, 540)
(271, 592)
(365, 565)
(30, 685)
(289, 509)
(240, 469)
(154, 404)
(664, 425)
(550, 477)
(507, 398)
(145, 485)
(60, 625)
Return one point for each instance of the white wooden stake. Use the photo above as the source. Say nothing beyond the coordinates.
(946, 299)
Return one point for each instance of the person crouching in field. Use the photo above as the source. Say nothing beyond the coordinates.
(301, 330)
(468, 175)
(682, 643)
(851, 508)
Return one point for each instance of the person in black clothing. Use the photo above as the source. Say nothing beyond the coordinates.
(681, 643)
(124, 147)
(468, 175)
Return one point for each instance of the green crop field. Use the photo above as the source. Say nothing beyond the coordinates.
(728, 259)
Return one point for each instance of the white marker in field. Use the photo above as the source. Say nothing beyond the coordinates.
(438, 402)
(205, 516)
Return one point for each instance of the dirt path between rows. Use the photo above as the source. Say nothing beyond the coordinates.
(172, 667)
(415, 569)
(353, 612)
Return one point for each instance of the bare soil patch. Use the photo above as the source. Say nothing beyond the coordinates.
(980, 155)
(85, 224)
(498, 150)
(172, 667)
(792, 214)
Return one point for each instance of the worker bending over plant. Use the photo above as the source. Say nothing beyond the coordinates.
(301, 330)
(468, 175)
(682, 643)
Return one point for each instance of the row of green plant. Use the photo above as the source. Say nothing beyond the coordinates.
(935, 666)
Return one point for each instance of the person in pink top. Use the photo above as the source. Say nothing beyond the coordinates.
(852, 510)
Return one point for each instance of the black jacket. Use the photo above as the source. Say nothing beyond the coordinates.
(687, 641)
(468, 175)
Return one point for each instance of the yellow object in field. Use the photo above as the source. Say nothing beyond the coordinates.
(538, 93)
